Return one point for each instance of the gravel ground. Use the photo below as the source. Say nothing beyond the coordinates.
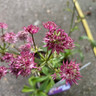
(19, 13)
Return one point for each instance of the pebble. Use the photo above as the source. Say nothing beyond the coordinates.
(37, 22)
(48, 11)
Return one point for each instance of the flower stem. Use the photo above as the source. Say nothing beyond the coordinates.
(49, 56)
(73, 13)
(2, 32)
(33, 41)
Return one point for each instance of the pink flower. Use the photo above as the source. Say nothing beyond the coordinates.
(10, 37)
(70, 72)
(8, 57)
(32, 29)
(25, 47)
(50, 25)
(23, 64)
(3, 71)
(22, 35)
(58, 41)
(3, 25)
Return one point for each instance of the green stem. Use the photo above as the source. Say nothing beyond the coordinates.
(73, 13)
(33, 41)
(16, 48)
(2, 31)
(49, 56)
(41, 55)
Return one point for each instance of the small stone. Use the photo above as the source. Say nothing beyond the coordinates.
(36, 15)
(89, 89)
(90, 8)
(65, 18)
(37, 22)
(48, 11)
(5, 79)
(43, 6)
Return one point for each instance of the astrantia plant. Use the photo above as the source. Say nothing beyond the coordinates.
(45, 65)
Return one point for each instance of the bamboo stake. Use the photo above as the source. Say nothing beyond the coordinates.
(85, 24)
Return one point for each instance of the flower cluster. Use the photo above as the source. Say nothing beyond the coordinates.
(22, 64)
(57, 40)
(23, 61)
(70, 72)
(22, 35)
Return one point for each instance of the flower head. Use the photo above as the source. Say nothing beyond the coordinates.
(22, 35)
(32, 29)
(70, 72)
(10, 37)
(23, 64)
(25, 47)
(58, 41)
(50, 25)
(3, 25)
(3, 71)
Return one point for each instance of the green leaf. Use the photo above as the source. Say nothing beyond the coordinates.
(69, 10)
(81, 56)
(39, 79)
(41, 94)
(93, 43)
(74, 28)
(45, 70)
(27, 89)
(44, 85)
(68, 3)
(31, 82)
(83, 37)
(49, 86)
